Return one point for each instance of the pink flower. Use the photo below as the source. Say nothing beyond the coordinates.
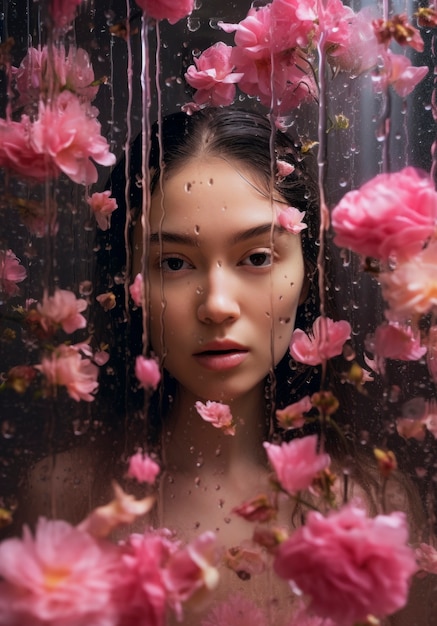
(69, 135)
(123, 509)
(297, 462)
(291, 219)
(284, 168)
(350, 565)
(66, 367)
(212, 76)
(136, 290)
(390, 215)
(167, 9)
(394, 341)
(246, 560)
(62, 309)
(410, 290)
(59, 576)
(258, 509)
(237, 610)
(143, 468)
(11, 273)
(20, 155)
(217, 414)
(147, 371)
(63, 12)
(325, 341)
(191, 571)
(252, 34)
(293, 23)
(399, 73)
(426, 556)
(103, 206)
(292, 416)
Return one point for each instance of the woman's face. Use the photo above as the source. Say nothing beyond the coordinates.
(225, 281)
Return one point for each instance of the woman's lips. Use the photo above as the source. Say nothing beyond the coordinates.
(222, 357)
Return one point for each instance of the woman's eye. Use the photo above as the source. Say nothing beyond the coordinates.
(258, 259)
(174, 264)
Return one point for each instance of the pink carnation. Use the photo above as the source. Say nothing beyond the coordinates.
(147, 372)
(63, 309)
(350, 565)
(212, 76)
(325, 341)
(66, 367)
(237, 610)
(390, 215)
(291, 219)
(297, 462)
(217, 414)
(69, 135)
(136, 290)
(167, 9)
(143, 468)
(59, 576)
(410, 289)
(102, 206)
(11, 273)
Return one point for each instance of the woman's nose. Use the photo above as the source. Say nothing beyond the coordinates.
(218, 301)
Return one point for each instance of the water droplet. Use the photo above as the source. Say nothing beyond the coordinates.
(342, 182)
(219, 263)
(119, 278)
(227, 520)
(221, 503)
(211, 181)
(193, 24)
(85, 288)
(8, 430)
(197, 481)
(199, 292)
(196, 229)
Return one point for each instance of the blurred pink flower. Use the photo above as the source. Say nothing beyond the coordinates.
(302, 616)
(103, 206)
(143, 468)
(191, 571)
(147, 372)
(292, 416)
(426, 556)
(394, 341)
(257, 509)
(325, 341)
(62, 309)
(123, 509)
(398, 72)
(66, 367)
(291, 218)
(411, 428)
(217, 414)
(410, 290)
(63, 12)
(246, 559)
(59, 576)
(69, 134)
(237, 610)
(213, 77)
(349, 564)
(166, 9)
(11, 273)
(390, 215)
(297, 462)
(136, 290)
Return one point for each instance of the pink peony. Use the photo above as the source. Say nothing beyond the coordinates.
(11, 273)
(297, 462)
(217, 414)
(147, 372)
(103, 206)
(69, 135)
(167, 9)
(136, 290)
(350, 565)
(325, 341)
(212, 76)
(143, 468)
(394, 341)
(292, 416)
(59, 576)
(291, 219)
(390, 215)
(62, 309)
(237, 610)
(410, 290)
(66, 367)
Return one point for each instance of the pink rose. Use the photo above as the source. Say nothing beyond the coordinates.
(390, 215)
(252, 34)
(212, 76)
(325, 341)
(297, 462)
(143, 468)
(62, 309)
(147, 372)
(102, 206)
(11, 273)
(136, 290)
(349, 564)
(167, 9)
(217, 414)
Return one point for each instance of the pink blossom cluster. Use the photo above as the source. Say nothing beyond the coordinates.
(376, 564)
(274, 51)
(65, 575)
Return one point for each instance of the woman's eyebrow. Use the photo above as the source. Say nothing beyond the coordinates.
(193, 240)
